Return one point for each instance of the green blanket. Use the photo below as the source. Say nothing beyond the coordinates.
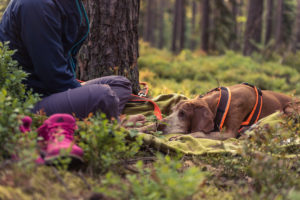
(164, 102)
(187, 144)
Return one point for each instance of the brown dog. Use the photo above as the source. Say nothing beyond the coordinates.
(197, 116)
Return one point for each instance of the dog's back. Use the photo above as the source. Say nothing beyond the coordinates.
(274, 101)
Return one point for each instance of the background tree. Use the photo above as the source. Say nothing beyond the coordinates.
(193, 24)
(161, 24)
(112, 45)
(285, 21)
(297, 43)
(279, 24)
(151, 22)
(234, 31)
(222, 27)
(182, 25)
(254, 26)
(269, 21)
(205, 25)
(178, 36)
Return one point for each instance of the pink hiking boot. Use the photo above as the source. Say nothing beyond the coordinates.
(58, 138)
(26, 123)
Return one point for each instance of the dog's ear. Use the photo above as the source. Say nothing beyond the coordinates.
(203, 120)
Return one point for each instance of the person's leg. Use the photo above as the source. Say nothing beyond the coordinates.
(82, 101)
(119, 84)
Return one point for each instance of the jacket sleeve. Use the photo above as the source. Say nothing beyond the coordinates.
(41, 33)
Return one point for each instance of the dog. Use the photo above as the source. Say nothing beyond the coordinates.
(244, 105)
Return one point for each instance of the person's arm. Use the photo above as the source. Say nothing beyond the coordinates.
(41, 33)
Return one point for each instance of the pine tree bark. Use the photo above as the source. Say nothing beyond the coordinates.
(112, 45)
(269, 23)
(253, 26)
(205, 25)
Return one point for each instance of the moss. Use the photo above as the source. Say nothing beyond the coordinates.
(42, 183)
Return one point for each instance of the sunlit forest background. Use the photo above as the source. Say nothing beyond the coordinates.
(215, 26)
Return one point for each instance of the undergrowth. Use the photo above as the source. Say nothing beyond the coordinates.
(117, 165)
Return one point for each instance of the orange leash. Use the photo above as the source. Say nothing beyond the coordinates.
(142, 97)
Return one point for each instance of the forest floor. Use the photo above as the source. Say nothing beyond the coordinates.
(123, 167)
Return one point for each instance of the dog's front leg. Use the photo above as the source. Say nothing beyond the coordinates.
(195, 135)
(148, 128)
(215, 135)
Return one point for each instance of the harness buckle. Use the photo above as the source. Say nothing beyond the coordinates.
(141, 94)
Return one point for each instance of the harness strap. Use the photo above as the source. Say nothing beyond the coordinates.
(80, 81)
(222, 107)
(142, 97)
(157, 111)
(256, 111)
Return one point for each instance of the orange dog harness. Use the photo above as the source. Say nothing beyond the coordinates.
(224, 105)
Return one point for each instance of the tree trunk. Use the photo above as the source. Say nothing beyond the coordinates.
(193, 24)
(279, 20)
(112, 45)
(297, 43)
(240, 25)
(182, 25)
(161, 24)
(150, 25)
(253, 26)
(269, 31)
(205, 25)
(234, 33)
(176, 26)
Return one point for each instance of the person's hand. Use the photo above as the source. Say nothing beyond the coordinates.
(133, 121)
(82, 83)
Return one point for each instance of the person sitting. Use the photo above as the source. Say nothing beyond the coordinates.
(47, 36)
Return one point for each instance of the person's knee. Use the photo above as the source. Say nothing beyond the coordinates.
(121, 79)
(105, 100)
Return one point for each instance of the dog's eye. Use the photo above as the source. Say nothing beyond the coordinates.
(181, 114)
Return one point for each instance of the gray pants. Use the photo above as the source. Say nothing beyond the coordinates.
(107, 94)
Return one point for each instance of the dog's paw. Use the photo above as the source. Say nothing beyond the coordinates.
(133, 121)
(175, 138)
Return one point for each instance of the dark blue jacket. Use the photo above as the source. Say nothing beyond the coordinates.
(47, 35)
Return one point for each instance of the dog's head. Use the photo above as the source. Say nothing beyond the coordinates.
(190, 116)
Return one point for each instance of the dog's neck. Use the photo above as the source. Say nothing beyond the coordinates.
(212, 101)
